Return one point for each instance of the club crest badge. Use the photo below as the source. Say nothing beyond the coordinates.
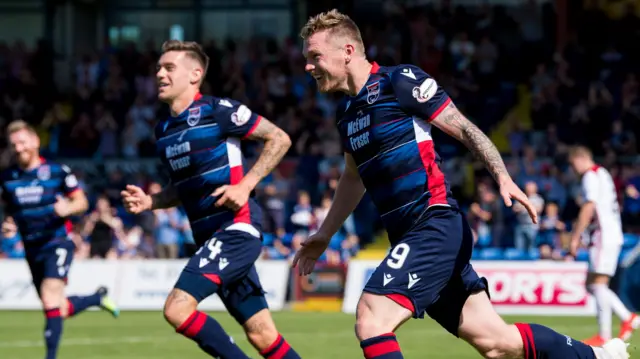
(44, 173)
(194, 116)
(373, 92)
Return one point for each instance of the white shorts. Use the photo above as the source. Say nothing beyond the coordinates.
(603, 259)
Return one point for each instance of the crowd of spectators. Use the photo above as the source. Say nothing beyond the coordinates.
(585, 92)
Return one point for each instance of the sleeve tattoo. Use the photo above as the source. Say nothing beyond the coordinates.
(458, 126)
(166, 198)
(276, 145)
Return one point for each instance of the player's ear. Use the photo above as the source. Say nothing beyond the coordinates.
(196, 75)
(349, 51)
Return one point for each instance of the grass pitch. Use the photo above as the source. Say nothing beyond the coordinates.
(142, 335)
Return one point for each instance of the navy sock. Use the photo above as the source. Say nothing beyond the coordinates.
(384, 346)
(210, 336)
(77, 305)
(53, 332)
(543, 343)
(280, 349)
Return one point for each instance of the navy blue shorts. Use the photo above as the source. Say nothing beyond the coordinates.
(51, 261)
(225, 265)
(428, 270)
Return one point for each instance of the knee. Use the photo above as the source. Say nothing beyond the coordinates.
(504, 345)
(261, 331)
(51, 295)
(368, 325)
(262, 336)
(178, 308)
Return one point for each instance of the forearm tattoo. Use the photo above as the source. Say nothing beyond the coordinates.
(475, 140)
(276, 145)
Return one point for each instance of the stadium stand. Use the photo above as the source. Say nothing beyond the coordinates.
(501, 67)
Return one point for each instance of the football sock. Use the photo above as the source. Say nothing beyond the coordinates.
(384, 346)
(617, 306)
(280, 349)
(52, 332)
(603, 305)
(77, 305)
(543, 343)
(210, 336)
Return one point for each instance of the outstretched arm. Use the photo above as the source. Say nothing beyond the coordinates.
(454, 123)
(348, 194)
(276, 145)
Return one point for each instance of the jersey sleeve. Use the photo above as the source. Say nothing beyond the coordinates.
(70, 183)
(590, 186)
(236, 119)
(418, 93)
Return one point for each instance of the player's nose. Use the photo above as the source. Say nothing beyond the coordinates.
(309, 67)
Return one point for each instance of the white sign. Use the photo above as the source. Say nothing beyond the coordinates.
(134, 285)
(525, 288)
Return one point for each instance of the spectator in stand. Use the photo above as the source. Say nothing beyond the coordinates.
(102, 227)
(526, 231)
(12, 247)
(273, 197)
(487, 216)
(167, 228)
(481, 55)
(552, 229)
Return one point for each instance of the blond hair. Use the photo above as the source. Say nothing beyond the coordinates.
(337, 23)
(192, 49)
(580, 151)
(20, 125)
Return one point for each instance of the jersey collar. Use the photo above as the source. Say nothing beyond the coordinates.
(197, 97)
(42, 162)
(374, 70)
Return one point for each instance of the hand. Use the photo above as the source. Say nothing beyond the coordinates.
(574, 245)
(232, 196)
(9, 228)
(135, 200)
(305, 259)
(509, 191)
(61, 207)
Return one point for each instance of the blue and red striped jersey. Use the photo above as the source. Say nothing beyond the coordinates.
(386, 129)
(201, 150)
(29, 197)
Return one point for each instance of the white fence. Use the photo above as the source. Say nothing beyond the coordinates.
(526, 288)
(134, 285)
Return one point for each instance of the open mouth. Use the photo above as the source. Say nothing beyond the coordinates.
(162, 85)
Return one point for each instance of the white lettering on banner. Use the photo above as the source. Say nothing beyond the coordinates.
(134, 285)
(536, 287)
(525, 288)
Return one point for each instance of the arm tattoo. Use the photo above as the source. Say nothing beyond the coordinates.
(166, 198)
(475, 140)
(276, 145)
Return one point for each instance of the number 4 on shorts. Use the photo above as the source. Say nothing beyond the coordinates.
(214, 246)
